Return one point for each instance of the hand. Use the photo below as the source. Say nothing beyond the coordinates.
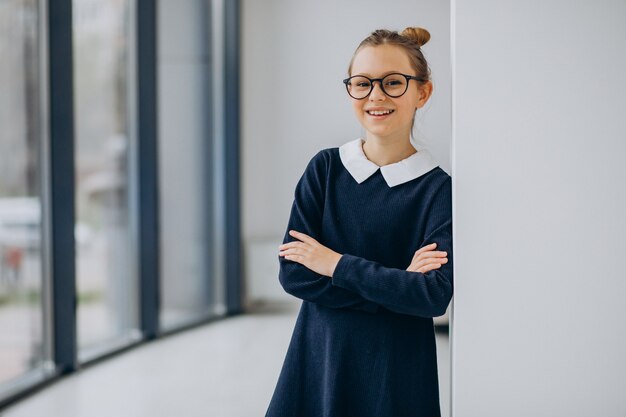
(310, 253)
(426, 259)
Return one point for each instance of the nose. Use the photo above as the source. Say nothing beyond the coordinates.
(377, 92)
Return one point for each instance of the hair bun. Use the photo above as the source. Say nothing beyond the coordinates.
(417, 34)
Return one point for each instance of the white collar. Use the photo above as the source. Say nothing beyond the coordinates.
(361, 168)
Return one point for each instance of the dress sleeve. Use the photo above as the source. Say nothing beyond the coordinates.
(306, 217)
(401, 291)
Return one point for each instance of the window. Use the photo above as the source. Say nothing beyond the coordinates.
(24, 348)
(106, 275)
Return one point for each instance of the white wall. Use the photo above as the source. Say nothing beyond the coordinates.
(282, 128)
(539, 199)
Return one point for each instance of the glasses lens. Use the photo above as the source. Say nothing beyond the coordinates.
(359, 87)
(395, 85)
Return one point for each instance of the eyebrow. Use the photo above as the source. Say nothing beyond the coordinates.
(381, 76)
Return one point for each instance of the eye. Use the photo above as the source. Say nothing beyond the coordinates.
(359, 82)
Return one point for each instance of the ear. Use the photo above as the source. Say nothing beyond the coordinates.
(424, 92)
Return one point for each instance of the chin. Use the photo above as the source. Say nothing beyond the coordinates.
(378, 133)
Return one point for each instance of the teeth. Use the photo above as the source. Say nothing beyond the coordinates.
(379, 112)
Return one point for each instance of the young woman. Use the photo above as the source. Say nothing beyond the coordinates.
(368, 249)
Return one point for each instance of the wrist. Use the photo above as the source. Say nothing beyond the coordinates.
(335, 261)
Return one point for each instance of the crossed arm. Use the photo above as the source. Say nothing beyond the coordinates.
(323, 260)
(396, 289)
(313, 272)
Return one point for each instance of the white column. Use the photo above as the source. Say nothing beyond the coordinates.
(539, 146)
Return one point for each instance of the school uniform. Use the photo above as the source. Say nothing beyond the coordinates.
(364, 343)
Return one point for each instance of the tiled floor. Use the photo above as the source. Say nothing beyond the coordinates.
(225, 369)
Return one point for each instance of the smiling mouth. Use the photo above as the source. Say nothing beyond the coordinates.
(379, 112)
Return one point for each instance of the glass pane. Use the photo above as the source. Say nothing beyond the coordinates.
(21, 326)
(184, 165)
(106, 278)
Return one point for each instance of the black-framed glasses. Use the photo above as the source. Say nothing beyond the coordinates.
(394, 85)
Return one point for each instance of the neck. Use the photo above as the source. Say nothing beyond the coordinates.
(387, 150)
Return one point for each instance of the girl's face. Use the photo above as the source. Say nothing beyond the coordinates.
(376, 62)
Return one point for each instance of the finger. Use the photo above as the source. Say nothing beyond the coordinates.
(428, 255)
(424, 262)
(294, 244)
(432, 254)
(427, 263)
(425, 248)
(429, 268)
(302, 236)
(424, 268)
(432, 261)
(294, 258)
(292, 251)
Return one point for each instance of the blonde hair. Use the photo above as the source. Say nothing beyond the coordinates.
(410, 39)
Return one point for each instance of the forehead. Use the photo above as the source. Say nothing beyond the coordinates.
(377, 60)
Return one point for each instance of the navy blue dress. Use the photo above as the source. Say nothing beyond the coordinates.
(364, 342)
